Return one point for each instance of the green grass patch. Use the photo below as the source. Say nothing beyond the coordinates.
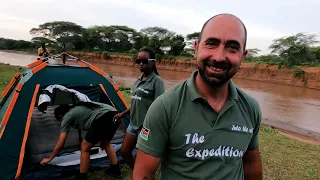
(126, 93)
(6, 74)
(283, 157)
(287, 158)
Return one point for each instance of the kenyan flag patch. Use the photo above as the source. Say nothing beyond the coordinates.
(144, 134)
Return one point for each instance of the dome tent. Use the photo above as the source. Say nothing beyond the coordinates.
(27, 135)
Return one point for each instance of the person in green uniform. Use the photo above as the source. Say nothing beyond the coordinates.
(206, 127)
(143, 92)
(97, 119)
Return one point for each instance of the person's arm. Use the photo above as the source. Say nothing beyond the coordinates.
(126, 111)
(65, 127)
(121, 115)
(39, 52)
(152, 141)
(58, 148)
(159, 88)
(252, 164)
(145, 166)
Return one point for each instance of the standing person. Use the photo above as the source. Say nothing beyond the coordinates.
(206, 127)
(97, 119)
(43, 52)
(144, 91)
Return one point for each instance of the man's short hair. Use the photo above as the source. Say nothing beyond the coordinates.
(205, 24)
(61, 110)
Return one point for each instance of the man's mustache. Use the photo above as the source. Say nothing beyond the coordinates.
(218, 64)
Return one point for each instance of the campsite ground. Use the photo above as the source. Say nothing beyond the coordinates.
(283, 157)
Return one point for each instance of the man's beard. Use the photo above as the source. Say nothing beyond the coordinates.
(216, 80)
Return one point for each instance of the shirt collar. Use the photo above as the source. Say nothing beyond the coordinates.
(194, 94)
(149, 78)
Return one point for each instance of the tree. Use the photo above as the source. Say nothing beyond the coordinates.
(63, 33)
(159, 38)
(113, 38)
(11, 44)
(281, 45)
(39, 40)
(159, 32)
(298, 49)
(190, 38)
(294, 50)
(176, 45)
(253, 52)
(124, 37)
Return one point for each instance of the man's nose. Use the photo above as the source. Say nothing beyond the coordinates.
(219, 54)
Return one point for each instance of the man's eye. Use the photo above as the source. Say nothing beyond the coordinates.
(233, 48)
(212, 43)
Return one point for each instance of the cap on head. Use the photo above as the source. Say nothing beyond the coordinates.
(230, 17)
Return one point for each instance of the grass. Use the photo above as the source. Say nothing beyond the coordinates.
(286, 158)
(282, 157)
(6, 74)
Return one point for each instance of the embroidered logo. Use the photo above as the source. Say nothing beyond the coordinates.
(144, 134)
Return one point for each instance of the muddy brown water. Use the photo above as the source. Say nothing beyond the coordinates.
(292, 108)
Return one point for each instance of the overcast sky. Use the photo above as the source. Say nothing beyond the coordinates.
(265, 20)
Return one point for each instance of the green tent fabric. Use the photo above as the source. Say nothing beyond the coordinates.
(81, 78)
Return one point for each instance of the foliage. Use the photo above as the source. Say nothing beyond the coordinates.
(10, 44)
(66, 35)
(296, 50)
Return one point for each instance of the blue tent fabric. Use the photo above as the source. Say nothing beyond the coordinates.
(49, 172)
(85, 78)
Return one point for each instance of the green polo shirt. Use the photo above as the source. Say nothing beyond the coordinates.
(193, 140)
(143, 93)
(81, 117)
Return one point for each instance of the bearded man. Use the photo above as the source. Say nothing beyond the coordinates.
(206, 127)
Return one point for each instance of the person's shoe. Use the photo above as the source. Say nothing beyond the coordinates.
(114, 171)
(81, 176)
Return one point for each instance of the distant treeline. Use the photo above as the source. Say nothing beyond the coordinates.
(60, 36)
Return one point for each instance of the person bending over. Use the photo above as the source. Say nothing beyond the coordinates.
(97, 119)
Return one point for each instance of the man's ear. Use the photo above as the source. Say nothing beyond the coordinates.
(245, 53)
(195, 46)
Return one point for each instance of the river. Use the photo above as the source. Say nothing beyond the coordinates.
(288, 107)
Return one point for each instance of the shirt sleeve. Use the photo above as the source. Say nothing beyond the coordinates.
(153, 138)
(65, 123)
(254, 143)
(159, 88)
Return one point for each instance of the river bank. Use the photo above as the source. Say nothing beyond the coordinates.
(289, 109)
(308, 77)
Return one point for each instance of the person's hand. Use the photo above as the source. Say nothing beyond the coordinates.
(117, 117)
(45, 161)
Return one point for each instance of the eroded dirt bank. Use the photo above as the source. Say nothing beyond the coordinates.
(309, 77)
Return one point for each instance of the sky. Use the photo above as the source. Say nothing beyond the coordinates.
(265, 20)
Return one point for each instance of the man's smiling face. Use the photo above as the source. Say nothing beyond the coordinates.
(220, 50)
